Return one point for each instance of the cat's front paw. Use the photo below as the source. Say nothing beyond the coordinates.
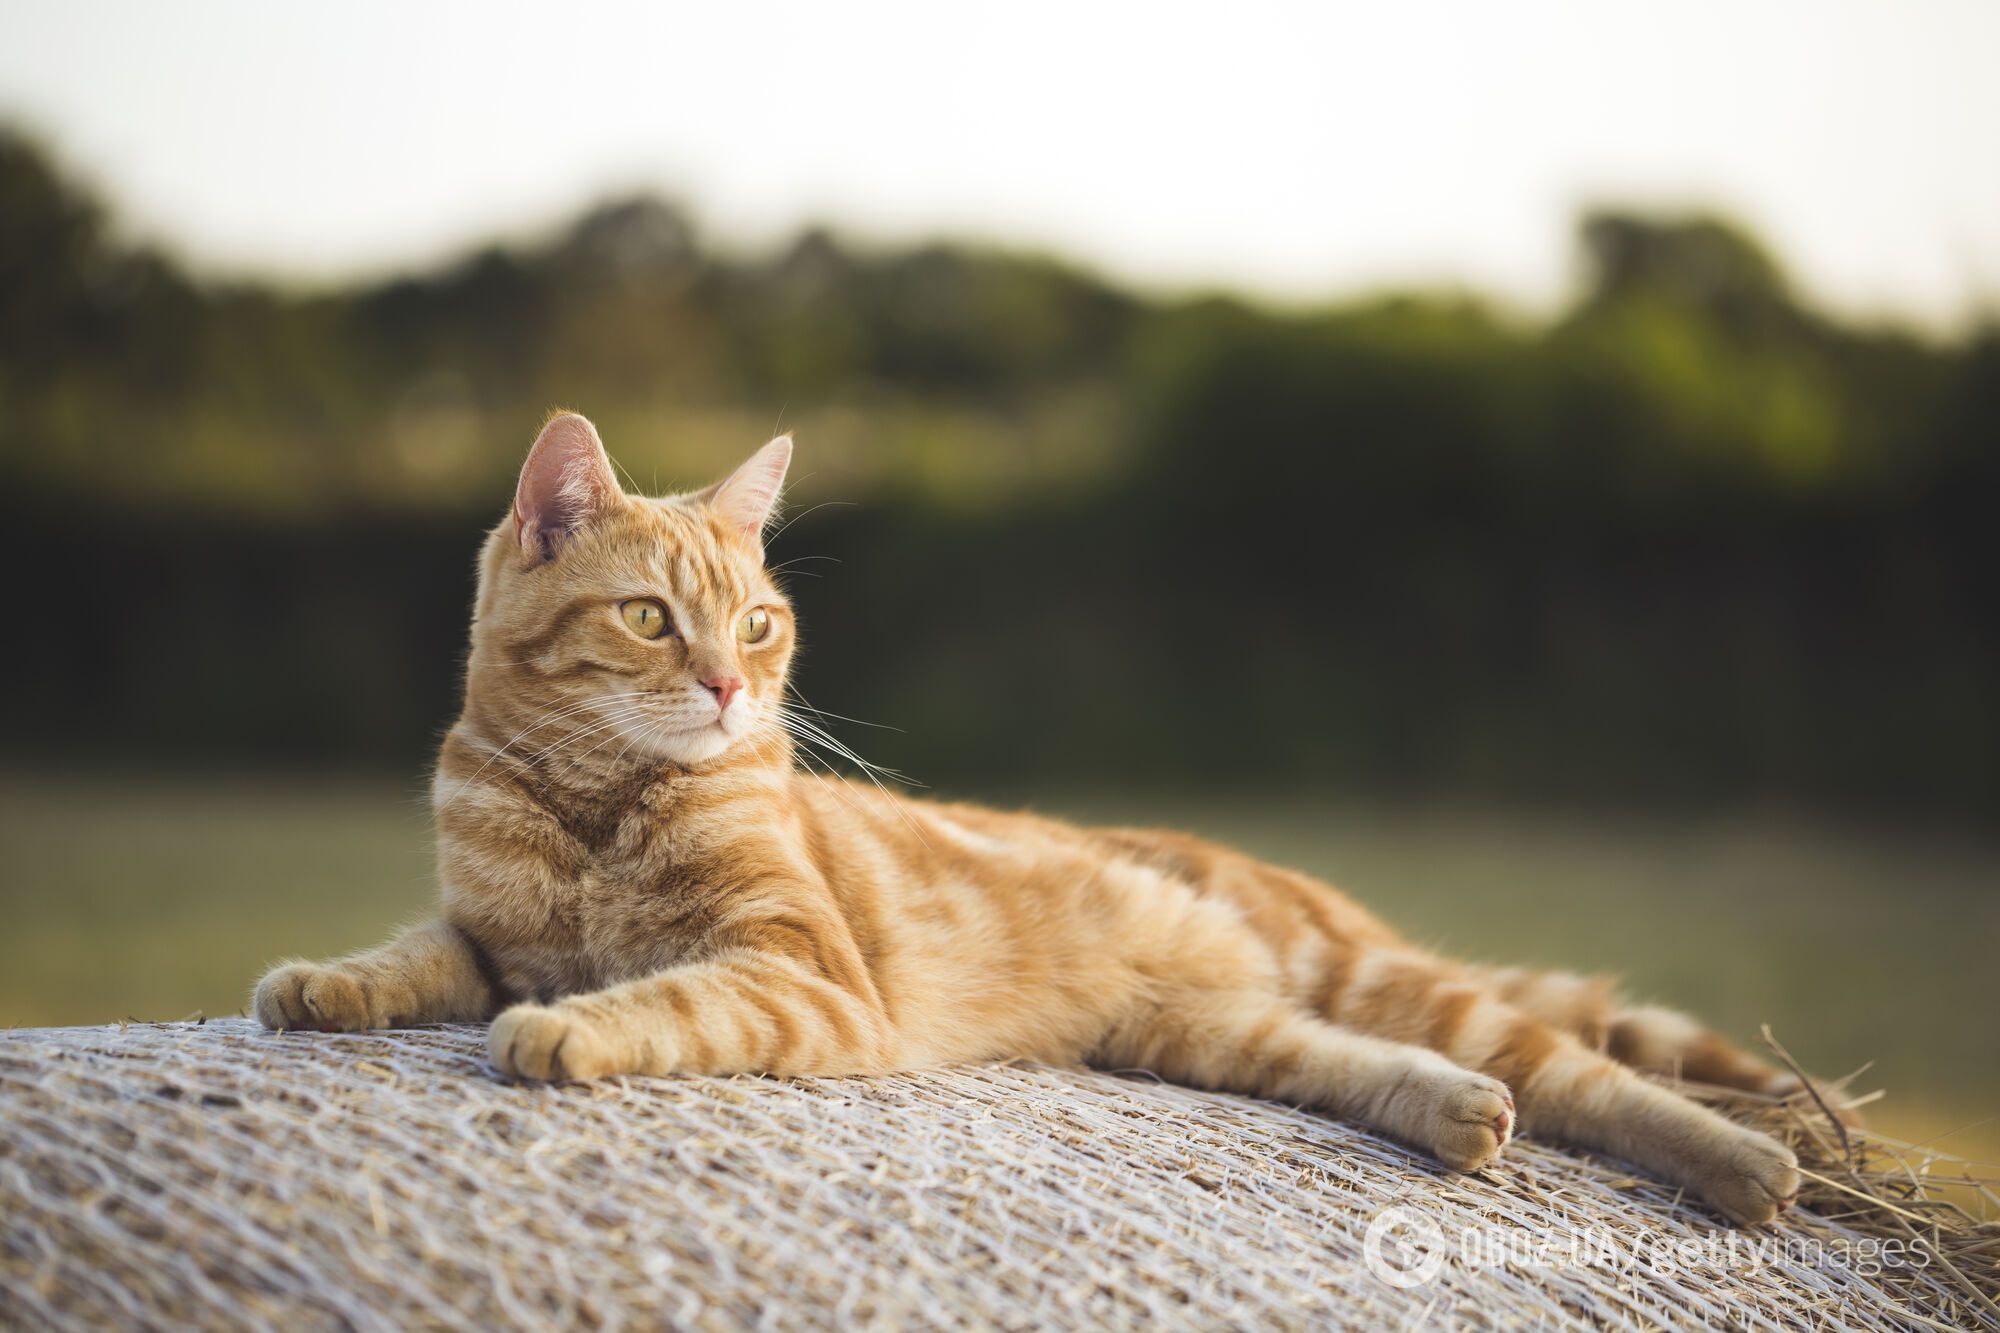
(314, 998)
(1464, 1118)
(1747, 1176)
(552, 1043)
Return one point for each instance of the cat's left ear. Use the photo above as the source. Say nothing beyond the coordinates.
(747, 496)
(566, 484)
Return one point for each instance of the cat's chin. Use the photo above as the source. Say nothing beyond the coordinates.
(696, 745)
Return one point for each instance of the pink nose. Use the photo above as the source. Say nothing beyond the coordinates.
(724, 688)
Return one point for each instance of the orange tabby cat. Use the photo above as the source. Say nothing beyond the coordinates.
(637, 879)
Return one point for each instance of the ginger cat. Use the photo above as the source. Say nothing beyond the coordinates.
(636, 878)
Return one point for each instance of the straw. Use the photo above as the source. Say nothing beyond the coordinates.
(216, 1175)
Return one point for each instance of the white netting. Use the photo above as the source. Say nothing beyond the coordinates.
(221, 1176)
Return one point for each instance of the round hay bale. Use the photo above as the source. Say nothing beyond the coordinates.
(220, 1176)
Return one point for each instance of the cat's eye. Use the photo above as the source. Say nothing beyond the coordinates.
(644, 617)
(755, 626)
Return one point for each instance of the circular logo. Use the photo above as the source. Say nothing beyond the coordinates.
(1403, 1248)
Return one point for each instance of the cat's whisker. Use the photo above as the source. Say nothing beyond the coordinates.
(807, 704)
(656, 728)
(819, 736)
(651, 735)
(814, 734)
(826, 742)
(797, 714)
(617, 730)
(551, 715)
(784, 565)
(798, 751)
(648, 733)
(800, 747)
(576, 734)
(804, 731)
(823, 504)
(833, 742)
(544, 719)
(610, 722)
(834, 783)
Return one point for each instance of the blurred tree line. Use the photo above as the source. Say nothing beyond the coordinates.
(1690, 540)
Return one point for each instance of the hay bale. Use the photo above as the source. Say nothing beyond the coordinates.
(217, 1175)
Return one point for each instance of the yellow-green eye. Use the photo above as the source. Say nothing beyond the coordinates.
(644, 617)
(754, 626)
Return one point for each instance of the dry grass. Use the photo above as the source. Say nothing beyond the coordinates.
(214, 1175)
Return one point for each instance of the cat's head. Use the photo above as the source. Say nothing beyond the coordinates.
(644, 627)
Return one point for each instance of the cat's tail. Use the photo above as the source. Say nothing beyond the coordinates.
(1646, 1037)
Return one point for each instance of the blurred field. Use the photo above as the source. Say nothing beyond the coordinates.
(154, 898)
(1687, 541)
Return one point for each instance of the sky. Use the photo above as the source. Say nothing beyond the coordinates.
(1295, 151)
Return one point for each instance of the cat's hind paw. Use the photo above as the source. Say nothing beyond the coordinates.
(311, 998)
(551, 1043)
(1748, 1177)
(1466, 1119)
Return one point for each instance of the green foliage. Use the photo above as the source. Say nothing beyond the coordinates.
(1689, 539)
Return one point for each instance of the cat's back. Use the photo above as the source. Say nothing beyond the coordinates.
(1026, 855)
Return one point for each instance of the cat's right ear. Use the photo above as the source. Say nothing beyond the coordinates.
(566, 483)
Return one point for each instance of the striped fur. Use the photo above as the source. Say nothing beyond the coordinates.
(636, 878)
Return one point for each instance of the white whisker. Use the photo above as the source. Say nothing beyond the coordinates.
(823, 504)
(810, 734)
(552, 715)
(807, 704)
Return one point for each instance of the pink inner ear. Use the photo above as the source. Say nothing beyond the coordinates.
(565, 484)
(747, 498)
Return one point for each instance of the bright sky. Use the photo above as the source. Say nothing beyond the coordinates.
(1297, 150)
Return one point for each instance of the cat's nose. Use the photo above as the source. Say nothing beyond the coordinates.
(723, 688)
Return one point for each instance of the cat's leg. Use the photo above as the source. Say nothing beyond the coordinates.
(1258, 1043)
(1568, 1091)
(428, 974)
(741, 1011)
(1657, 1040)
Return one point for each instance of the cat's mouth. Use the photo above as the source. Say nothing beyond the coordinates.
(685, 739)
